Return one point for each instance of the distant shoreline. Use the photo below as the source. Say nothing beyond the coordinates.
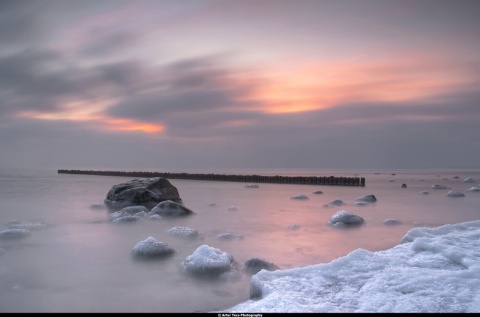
(277, 179)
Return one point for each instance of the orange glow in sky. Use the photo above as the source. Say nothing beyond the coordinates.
(93, 112)
(132, 125)
(323, 85)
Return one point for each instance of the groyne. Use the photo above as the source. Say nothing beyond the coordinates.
(277, 179)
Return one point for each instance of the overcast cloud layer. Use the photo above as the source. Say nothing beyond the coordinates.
(211, 84)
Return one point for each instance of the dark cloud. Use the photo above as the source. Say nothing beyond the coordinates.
(102, 42)
(19, 23)
(39, 80)
(192, 88)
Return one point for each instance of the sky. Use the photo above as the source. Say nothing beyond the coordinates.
(209, 84)
(433, 270)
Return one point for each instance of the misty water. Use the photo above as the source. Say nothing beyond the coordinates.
(80, 262)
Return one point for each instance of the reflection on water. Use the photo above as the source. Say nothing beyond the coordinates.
(81, 262)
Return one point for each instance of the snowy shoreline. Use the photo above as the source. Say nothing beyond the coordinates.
(431, 270)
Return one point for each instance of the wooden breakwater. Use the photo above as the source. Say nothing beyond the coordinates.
(307, 180)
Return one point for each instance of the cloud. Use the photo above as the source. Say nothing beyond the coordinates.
(142, 82)
(19, 23)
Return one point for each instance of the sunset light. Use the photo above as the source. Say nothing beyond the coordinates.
(383, 75)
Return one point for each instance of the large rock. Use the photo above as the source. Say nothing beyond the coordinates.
(141, 192)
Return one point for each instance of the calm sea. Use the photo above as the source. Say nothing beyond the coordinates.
(81, 262)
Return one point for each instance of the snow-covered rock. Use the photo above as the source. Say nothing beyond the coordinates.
(438, 186)
(170, 208)
(97, 206)
(132, 210)
(345, 218)
(453, 193)
(360, 203)
(390, 222)
(154, 217)
(368, 198)
(207, 261)
(28, 225)
(10, 234)
(151, 248)
(251, 186)
(229, 236)
(300, 197)
(183, 232)
(126, 219)
(469, 180)
(336, 202)
(117, 214)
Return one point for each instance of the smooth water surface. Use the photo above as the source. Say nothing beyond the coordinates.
(81, 262)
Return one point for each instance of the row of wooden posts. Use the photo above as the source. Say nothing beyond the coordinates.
(307, 180)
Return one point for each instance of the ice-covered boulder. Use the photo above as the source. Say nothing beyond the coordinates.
(469, 180)
(391, 222)
(141, 192)
(229, 236)
(207, 261)
(97, 206)
(251, 186)
(368, 198)
(126, 219)
(453, 193)
(117, 214)
(300, 197)
(133, 210)
(345, 218)
(360, 203)
(318, 192)
(424, 192)
(10, 234)
(170, 208)
(28, 225)
(255, 265)
(336, 202)
(474, 189)
(183, 232)
(151, 248)
(438, 186)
